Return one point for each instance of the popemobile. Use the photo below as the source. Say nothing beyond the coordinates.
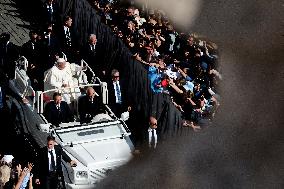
(98, 147)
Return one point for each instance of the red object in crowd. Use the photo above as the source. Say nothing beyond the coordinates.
(46, 98)
(164, 83)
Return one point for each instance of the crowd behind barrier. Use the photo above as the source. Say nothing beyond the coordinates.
(179, 64)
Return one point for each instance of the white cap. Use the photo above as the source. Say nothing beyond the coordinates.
(59, 60)
(8, 158)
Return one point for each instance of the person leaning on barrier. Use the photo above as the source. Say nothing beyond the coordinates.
(49, 169)
(89, 106)
(58, 111)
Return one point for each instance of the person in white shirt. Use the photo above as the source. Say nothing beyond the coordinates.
(152, 133)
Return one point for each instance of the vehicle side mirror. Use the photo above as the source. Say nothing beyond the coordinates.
(125, 116)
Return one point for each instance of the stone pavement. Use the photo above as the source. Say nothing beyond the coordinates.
(12, 21)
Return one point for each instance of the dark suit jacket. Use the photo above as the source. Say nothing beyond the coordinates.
(48, 16)
(30, 53)
(8, 56)
(53, 116)
(85, 106)
(70, 51)
(93, 58)
(52, 43)
(111, 92)
(60, 35)
(117, 108)
(42, 167)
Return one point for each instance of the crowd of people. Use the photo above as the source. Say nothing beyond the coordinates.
(44, 172)
(183, 65)
(13, 174)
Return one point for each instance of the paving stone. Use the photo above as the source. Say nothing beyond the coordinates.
(12, 21)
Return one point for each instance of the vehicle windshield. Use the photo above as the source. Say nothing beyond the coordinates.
(91, 132)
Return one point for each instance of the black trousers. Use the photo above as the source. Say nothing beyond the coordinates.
(117, 109)
(51, 181)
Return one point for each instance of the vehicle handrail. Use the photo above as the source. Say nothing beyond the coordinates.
(88, 141)
(41, 93)
(83, 62)
(64, 88)
(64, 56)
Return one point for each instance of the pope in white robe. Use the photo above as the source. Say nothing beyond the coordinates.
(61, 76)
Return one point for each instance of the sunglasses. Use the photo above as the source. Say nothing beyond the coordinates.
(116, 76)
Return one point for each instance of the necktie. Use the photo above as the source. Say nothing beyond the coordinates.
(68, 37)
(50, 9)
(1, 99)
(49, 40)
(153, 139)
(52, 166)
(93, 48)
(118, 94)
(58, 107)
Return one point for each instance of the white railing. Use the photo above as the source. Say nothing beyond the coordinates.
(85, 64)
(40, 94)
(23, 85)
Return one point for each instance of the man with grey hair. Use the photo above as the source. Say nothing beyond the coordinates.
(90, 53)
(116, 96)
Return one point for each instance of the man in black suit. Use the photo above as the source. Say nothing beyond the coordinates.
(31, 50)
(90, 53)
(58, 111)
(50, 13)
(8, 55)
(89, 106)
(67, 40)
(115, 94)
(50, 40)
(152, 133)
(49, 46)
(147, 139)
(49, 168)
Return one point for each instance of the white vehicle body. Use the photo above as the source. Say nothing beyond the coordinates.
(98, 147)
